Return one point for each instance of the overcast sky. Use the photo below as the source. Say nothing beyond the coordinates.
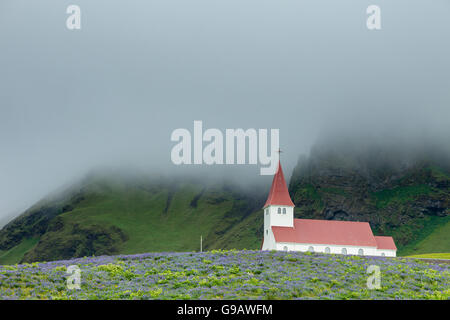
(112, 92)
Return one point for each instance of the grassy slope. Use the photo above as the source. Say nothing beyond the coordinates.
(431, 256)
(400, 195)
(434, 238)
(432, 233)
(16, 253)
(154, 218)
(247, 234)
(164, 218)
(421, 234)
(141, 216)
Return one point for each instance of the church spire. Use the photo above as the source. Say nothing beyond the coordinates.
(279, 194)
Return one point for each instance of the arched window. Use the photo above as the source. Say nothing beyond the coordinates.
(284, 210)
(285, 248)
(267, 231)
(360, 252)
(344, 251)
(382, 254)
(327, 250)
(311, 249)
(267, 211)
(279, 210)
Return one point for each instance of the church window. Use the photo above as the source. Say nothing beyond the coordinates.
(327, 250)
(267, 231)
(361, 252)
(285, 248)
(382, 254)
(279, 210)
(311, 249)
(284, 210)
(344, 251)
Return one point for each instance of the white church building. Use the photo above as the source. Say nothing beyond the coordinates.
(283, 232)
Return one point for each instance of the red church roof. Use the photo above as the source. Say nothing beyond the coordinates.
(327, 232)
(385, 243)
(279, 194)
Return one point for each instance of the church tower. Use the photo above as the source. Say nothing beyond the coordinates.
(278, 209)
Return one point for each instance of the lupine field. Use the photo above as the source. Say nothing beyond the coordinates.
(227, 275)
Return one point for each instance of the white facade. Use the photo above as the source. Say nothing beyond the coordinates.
(336, 249)
(283, 216)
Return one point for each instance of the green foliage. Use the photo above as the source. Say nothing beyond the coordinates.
(230, 275)
(16, 253)
(61, 268)
(431, 256)
(411, 204)
(77, 240)
(117, 271)
(333, 190)
(400, 194)
(308, 191)
(111, 216)
(434, 237)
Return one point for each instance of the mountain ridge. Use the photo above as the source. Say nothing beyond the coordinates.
(113, 212)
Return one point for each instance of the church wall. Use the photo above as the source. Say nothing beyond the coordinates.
(387, 253)
(281, 219)
(336, 249)
(269, 240)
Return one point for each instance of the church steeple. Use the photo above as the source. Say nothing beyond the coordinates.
(278, 210)
(279, 194)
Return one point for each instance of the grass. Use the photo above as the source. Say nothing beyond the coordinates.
(434, 237)
(431, 256)
(158, 217)
(438, 173)
(151, 219)
(309, 192)
(228, 275)
(16, 253)
(334, 190)
(399, 195)
(141, 216)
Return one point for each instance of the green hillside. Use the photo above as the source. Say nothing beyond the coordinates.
(17, 252)
(408, 200)
(117, 213)
(108, 216)
(434, 238)
(432, 256)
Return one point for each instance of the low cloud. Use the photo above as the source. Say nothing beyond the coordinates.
(111, 93)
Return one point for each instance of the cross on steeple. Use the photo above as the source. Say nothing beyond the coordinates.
(279, 154)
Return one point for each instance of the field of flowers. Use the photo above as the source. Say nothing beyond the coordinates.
(227, 275)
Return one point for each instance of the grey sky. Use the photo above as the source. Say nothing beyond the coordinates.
(112, 92)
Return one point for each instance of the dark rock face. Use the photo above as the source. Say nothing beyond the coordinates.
(336, 214)
(35, 221)
(77, 241)
(388, 194)
(26, 226)
(435, 207)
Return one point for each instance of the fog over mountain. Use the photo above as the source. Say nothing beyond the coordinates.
(111, 93)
